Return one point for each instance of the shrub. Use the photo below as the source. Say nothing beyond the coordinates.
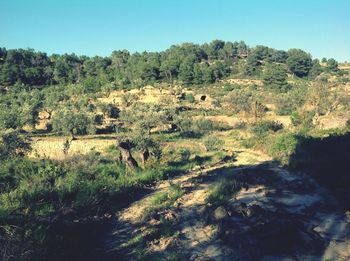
(291, 101)
(189, 97)
(283, 146)
(262, 128)
(185, 154)
(295, 118)
(205, 125)
(213, 143)
(229, 87)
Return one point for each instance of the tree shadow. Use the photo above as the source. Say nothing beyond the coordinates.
(328, 161)
(278, 225)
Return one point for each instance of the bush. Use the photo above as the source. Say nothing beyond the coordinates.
(295, 118)
(185, 154)
(291, 101)
(262, 128)
(205, 126)
(189, 97)
(282, 147)
(229, 87)
(213, 143)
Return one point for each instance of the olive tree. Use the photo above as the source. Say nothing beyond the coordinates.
(73, 122)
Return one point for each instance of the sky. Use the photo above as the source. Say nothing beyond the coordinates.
(97, 27)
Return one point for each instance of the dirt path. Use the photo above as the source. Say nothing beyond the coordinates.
(300, 218)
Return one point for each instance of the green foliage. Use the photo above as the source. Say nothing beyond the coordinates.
(187, 63)
(73, 122)
(283, 146)
(35, 191)
(223, 191)
(299, 62)
(213, 143)
(332, 65)
(316, 69)
(110, 110)
(229, 87)
(295, 118)
(13, 144)
(263, 127)
(168, 197)
(275, 77)
(286, 103)
(185, 155)
(189, 97)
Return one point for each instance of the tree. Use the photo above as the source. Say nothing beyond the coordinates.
(146, 146)
(214, 48)
(142, 142)
(275, 76)
(186, 70)
(332, 65)
(252, 65)
(125, 146)
(280, 56)
(242, 49)
(316, 69)
(10, 118)
(73, 122)
(299, 62)
(243, 101)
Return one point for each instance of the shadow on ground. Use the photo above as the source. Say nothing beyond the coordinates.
(275, 214)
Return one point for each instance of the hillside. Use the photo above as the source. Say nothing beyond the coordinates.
(200, 152)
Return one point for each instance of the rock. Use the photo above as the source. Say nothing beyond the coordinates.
(220, 213)
(170, 215)
(196, 167)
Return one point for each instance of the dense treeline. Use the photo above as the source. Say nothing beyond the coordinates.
(187, 64)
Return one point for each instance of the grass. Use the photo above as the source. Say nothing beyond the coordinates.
(223, 190)
(165, 199)
(88, 185)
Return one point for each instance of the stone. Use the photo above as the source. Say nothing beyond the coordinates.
(220, 213)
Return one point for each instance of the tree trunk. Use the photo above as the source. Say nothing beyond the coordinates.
(72, 134)
(128, 159)
(144, 156)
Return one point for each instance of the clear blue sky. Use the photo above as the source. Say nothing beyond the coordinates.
(321, 27)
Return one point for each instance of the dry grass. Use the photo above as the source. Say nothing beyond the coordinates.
(244, 82)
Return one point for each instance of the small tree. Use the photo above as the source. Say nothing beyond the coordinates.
(125, 145)
(332, 65)
(73, 123)
(147, 147)
(299, 62)
(275, 77)
(141, 142)
(244, 102)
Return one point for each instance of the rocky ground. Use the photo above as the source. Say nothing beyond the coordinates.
(276, 215)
